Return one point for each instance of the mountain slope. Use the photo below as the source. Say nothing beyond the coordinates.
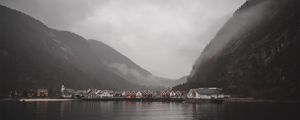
(255, 53)
(35, 56)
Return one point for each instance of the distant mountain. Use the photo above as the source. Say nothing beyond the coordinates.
(255, 54)
(124, 67)
(35, 56)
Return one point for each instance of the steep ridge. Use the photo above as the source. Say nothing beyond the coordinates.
(255, 53)
(34, 56)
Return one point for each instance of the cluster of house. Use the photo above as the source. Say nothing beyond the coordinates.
(199, 93)
(96, 94)
(134, 94)
(29, 93)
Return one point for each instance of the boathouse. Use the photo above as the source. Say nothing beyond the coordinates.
(205, 93)
(42, 93)
(165, 94)
(172, 94)
(139, 94)
(106, 94)
(147, 94)
(67, 92)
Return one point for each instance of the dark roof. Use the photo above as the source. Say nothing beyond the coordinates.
(207, 91)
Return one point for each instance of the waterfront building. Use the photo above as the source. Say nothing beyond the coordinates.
(67, 92)
(139, 94)
(129, 94)
(165, 94)
(179, 94)
(172, 94)
(92, 94)
(155, 94)
(147, 94)
(31, 93)
(105, 93)
(80, 93)
(124, 94)
(42, 93)
(118, 94)
(205, 93)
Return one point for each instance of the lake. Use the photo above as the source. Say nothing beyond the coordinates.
(83, 110)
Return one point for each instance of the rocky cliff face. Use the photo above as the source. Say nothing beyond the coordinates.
(256, 53)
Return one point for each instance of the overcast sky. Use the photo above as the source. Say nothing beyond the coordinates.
(162, 36)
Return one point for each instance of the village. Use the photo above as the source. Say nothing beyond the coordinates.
(193, 95)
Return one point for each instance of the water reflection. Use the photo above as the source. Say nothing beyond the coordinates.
(41, 110)
(124, 110)
(207, 111)
(82, 110)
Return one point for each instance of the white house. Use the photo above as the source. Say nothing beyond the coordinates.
(105, 94)
(205, 93)
(124, 94)
(172, 94)
(66, 92)
(80, 93)
(139, 94)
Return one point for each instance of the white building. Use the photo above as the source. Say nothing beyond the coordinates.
(139, 94)
(80, 93)
(124, 94)
(105, 93)
(66, 93)
(205, 93)
(172, 94)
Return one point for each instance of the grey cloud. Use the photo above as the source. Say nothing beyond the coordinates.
(59, 14)
(163, 36)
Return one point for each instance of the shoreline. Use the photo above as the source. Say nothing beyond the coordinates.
(228, 100)
(37, 99)
(44, 100)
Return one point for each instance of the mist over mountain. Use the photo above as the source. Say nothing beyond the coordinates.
(256, 53)
(33, 56)
(124, 67)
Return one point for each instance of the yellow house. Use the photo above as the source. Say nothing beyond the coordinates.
(42, 93)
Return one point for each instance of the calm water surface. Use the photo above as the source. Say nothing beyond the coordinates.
(82, 110)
